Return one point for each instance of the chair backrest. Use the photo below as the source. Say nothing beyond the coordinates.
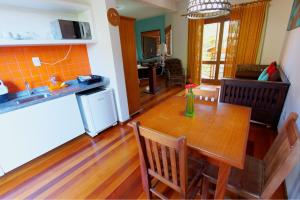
(174, 66)
(206, 94)
(251, 67)
(282, 157)
(162, 157)
(264, 97)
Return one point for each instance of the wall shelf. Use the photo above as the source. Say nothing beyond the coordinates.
(8, 43)
(34, 17)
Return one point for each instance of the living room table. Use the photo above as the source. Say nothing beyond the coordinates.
(218, 132)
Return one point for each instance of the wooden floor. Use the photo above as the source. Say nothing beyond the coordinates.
(103, 167)
(149, 100)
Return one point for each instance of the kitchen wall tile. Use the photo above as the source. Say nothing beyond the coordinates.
(16, 65)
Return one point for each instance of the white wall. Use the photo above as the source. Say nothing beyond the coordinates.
(30, 20)
(180, 32)
(106, 56)
(290, 62)
(276, 27)
(1, 171)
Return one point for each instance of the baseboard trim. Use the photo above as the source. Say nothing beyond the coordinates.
(131, 117)
(125, 122)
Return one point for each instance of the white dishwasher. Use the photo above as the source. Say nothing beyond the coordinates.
(98, 110)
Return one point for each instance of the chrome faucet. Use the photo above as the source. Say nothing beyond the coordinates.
(28, 88)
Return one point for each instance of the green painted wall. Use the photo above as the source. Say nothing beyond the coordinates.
(149, 24)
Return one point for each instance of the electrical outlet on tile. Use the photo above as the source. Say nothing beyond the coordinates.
(36, 62)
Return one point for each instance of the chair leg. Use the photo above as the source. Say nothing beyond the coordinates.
(148, 192)
(146, 184)
(205, 188)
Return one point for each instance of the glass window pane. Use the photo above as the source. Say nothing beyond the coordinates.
(210, 42)
(221, 71)
(208, 71)
(224, 42)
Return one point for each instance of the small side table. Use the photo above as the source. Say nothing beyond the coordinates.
(153, 87)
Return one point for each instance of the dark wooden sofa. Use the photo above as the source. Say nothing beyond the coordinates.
(266, 98)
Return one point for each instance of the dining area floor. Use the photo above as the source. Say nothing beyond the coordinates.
(106, 166)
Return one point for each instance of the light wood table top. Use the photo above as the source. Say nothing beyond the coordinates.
(218, 130)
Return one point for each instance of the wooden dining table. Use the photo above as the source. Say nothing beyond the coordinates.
(218, 132)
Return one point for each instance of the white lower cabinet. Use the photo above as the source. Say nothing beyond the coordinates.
(32, 131)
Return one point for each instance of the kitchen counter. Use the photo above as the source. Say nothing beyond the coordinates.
(73, 88)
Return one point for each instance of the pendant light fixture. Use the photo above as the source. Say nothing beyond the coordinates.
(205, 9)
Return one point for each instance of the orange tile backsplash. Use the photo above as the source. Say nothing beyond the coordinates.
(16, 65)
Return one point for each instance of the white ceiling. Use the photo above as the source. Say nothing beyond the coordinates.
(138, 9)
(141, 10)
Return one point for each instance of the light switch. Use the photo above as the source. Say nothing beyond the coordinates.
(36, 61)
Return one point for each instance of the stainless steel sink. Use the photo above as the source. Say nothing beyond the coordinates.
(33, 98)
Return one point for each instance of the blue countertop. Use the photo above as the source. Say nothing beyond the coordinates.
(73, 88)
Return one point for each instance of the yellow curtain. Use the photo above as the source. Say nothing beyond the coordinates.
(232, 43)
(195, 31)
(245, 31)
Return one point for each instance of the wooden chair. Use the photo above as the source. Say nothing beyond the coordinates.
(164, 159)
(207, 93)
(261, 178)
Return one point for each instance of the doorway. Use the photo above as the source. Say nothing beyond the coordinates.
(215, 34)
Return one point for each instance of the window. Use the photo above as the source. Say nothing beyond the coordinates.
(214, 47)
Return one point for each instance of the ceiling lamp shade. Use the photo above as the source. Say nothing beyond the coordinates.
(205, 9)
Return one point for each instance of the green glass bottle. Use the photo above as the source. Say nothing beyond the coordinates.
(190, 98)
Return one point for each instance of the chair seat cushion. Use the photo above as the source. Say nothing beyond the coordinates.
(247, 182)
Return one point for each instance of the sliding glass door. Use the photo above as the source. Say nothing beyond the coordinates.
(215, 36)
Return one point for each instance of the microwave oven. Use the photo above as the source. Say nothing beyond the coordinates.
(67, 29)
